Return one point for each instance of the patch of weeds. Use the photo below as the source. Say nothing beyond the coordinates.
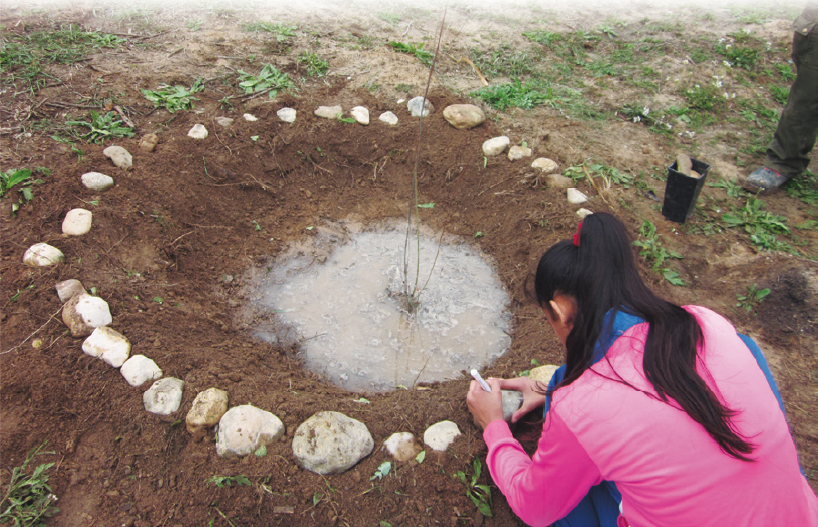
(20, 177)
(515, 94)
(699, 55)
(543, 37)
(752, 298)
(758, 223)
(389, 18)
(706, 98)
(28, 499)
(194, 25)
(780, 93)
(269, 79)
(504, 61)
(804, 187)
(280, 31)
(786, 71)
(227, 481)
(733, 189)
(316, 66)
(424, 56)
(26, 57)
(405, 88)
(651, 249)
(174, 98)
(102, 128)
(480, 495)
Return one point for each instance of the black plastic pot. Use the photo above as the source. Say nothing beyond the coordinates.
(681, 191)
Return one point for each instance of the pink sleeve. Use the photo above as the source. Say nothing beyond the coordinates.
(545, 488)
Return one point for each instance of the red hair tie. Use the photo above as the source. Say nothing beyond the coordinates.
(576, 236)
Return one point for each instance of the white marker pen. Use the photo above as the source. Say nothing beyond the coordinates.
(483, 384)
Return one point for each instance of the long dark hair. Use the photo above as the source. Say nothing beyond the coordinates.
(601, 275)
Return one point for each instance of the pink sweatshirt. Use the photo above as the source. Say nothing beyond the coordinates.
(669, 470)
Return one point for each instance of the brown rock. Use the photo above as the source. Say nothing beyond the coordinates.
(149, 142)
(464, 116)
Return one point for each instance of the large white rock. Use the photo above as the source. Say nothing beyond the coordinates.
(575, 197)
(331, 443)
(208, 408)
(67, 289)
(440, 436)
(495, 146)
(119, 156)
(83, 312)
(164, 397)
(244, 429)
(543, 373)
(360, 114)
(77, 222)
(224, 122)
(139, 369)
(416, 107)
(198, 132)
(250, 117)
(402, 446)
(512, 400)
(108, 345)
(328, 112)
(287, 115)
(97, 181)
(544, 164)
(464, 116)
(389, 118)
(518, 152)
(42, 255)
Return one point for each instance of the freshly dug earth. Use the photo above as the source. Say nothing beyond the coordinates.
(172, 241)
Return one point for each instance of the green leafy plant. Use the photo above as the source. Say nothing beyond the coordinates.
(733, 189)
(19, 177)
(316, 66)
(651, 249)
(227, 481)
(269, 79)
(480, 495)
(755, 220)
(383, 470)
(425, 57)
(28, 499)
(780, 93)
(174, 98)
(102, 128)
(515, 94)
(754, 296)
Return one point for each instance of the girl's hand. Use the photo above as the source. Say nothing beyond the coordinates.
(531, 398)
(485, 406)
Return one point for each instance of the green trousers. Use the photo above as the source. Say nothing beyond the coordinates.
(788, 153)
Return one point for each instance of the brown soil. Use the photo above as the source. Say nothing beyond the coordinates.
(185, 216)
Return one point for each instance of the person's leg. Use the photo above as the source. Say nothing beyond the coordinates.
(600, 507)
(788, 153)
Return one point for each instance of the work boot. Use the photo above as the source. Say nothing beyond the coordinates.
(764, 179)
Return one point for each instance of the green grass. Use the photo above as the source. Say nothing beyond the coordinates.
(761, 225)
(505, 62)
(281, 32)
(424, 56)
(174, 98)
(316, 66)
(515, 94)
(28, 500)
(25, 59)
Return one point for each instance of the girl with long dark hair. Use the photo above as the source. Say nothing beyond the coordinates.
(661, 415)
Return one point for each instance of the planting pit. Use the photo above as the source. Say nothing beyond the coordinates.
(341, 297)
